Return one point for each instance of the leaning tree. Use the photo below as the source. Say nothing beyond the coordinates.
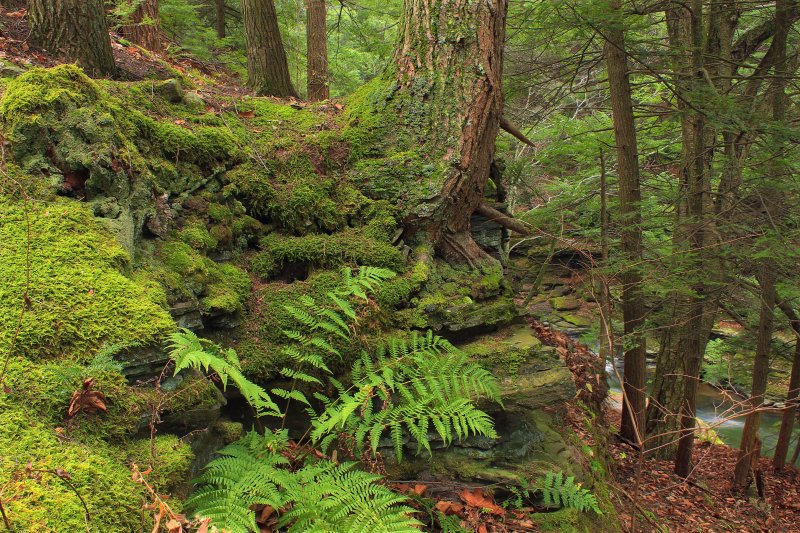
(434, 116)
(75, 29)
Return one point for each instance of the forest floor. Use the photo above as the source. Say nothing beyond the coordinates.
(705, 502)
(664, 501)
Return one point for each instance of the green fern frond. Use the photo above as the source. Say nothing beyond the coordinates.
(320, 496)
(558, 491)
(187, 350)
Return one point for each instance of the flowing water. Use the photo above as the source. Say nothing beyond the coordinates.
(718, 410)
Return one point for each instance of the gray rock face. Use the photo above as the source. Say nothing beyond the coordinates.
(534, 382)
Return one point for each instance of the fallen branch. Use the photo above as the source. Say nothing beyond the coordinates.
(507, 221)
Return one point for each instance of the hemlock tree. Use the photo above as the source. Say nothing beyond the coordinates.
(441, 103)
(267, 69)
(633, 308)
(769, 196)
(143, 27)
(74, 29)
(317, 46)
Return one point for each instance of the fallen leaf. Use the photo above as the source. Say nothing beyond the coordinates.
(419, 489)
(447, 507)
(247, 114)
(204, 525)
(173, 526)
(476, 498)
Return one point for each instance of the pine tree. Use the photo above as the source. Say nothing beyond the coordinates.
(75, 29)
(267, 67)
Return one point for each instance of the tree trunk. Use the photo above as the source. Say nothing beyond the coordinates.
(698, 189)
(770, 200)
(267, 68)
(633, 406)
(144, 28)
(607, 352)
(449, 70)
(317, 44)
(789, 413)
(76, 30)
(747, 449)
(220, 19)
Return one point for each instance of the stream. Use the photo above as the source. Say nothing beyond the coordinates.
(713, 407)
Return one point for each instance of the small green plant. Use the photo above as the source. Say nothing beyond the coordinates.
(564, 492)
(320, 495)
(408, 386)
(187, 350)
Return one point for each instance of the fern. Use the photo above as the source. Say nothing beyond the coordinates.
(408, 387)
(564, 492)
(187, 350)
(417, 385)
(319, 496)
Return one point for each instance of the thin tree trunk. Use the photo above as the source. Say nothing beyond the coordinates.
(698, 195)
(789, 413)
(748, 454)
(317, 44)
(74, 29)
(220, 18)
(604, 297)
(267, 68)
(144, 28)
(633, 409)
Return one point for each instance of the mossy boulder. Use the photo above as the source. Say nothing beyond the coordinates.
(77, 297)
(347, 247)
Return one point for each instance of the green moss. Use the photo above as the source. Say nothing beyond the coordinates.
(228, 430)
(95, 469)
(260, 343)
(274, 118)
(46, 389)
(196, 235)
(169, 458)
(383, 126)
(79, 299)
(289, 192)
(188, 274)
(346, 247)
(205, 145)
(228, 288)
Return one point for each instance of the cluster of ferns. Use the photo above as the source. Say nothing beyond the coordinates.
(405, 389)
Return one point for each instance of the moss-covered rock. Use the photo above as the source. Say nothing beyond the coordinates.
(77, 298)
(167, 456)
(347, 247)
(220, 288)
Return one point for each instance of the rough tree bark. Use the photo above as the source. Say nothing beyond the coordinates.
(144, 28)
(449, 65)
(698, 189)
(317, 45)
(267, 69)
(633, 410)
(220, 18)
(75, 29)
